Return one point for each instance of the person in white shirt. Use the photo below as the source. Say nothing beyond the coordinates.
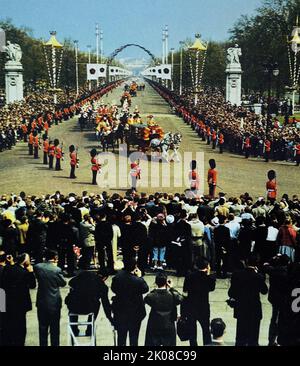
(271, 242)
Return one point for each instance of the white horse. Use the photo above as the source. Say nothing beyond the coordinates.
(169, 142)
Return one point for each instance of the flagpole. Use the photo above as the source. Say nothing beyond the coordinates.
(97, 48)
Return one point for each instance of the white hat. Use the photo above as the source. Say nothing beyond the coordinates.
(71, 199)
(176, 199)
(215, 221)
(170, 219)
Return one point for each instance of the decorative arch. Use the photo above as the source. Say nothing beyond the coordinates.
(118, 50)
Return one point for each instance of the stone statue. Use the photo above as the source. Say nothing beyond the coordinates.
(13, 51)
(233, 55)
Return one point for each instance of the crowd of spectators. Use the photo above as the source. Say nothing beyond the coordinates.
(165, 232)
(213, 114)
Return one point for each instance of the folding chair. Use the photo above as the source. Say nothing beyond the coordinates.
(74, 340)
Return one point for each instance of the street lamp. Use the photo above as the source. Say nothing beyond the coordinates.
(294, 68)
(197, 47)
(53, 55)
(89, 60)
(76, 60)
(271, 70)
(172, 80)
(181, 66)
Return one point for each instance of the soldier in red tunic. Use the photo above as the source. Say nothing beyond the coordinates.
(58, 154)
(45, 149)
(194, 177)
(267, 150)
(212, 178)
(135, 173)
(36, 145)
(74, 161)
(271, 186)
(95, 166)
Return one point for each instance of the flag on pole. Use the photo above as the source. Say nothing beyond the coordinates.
(166, 72)
(92, 71)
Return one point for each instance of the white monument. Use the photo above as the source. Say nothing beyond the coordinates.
(234, 76)
(13, 73)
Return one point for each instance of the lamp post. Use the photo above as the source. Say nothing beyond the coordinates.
(197, 47)
(89, 60)
(53, 56)
(181, 67)
(294, 67)
(172, 80)
(76, 60)
(271, 70)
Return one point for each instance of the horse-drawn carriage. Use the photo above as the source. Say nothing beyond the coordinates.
(126, 97)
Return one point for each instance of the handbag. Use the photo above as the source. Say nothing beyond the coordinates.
(183, 329)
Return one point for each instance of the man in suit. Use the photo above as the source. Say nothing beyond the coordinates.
(50, 279)
(163, 301)
(17, 280)
(222, 244)
(198, 285)
(85, 299)
(246, 287)
(128, 304)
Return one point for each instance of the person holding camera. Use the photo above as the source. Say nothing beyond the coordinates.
(245, 289)
(197, 285)
(128, 304)
(87, 237)
(163, 301)
(17, 280)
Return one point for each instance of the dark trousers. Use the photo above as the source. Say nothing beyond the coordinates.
(87, 255)
(221, 148)
(204, 322)
(133, 329)
(64, 252)
(48, 321)
(221, 259)
(102, 249)
(30, 147)
(57, 164)
(214, 144)
(247, 331)
(273, 329)
(212, 190)
(45, 162)
(267, 156)
(247, 153)
(94, 181)
(14, 329)
(72, 173)
(51, 158)
(36, 152)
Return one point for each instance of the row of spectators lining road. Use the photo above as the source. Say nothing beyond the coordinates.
(213, 115)
(37, 111)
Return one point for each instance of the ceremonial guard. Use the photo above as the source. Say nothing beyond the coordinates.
(135, 174)
(36, 145)
(58, 155)
(74, 161)
(45, 149)
(24, 131)
(214, 138)
(194, 177)
(30, 143)
(95, 166)
(271, 186)
(247, 147)
(51, 154)
(212, 178)
(221, 142)
(267, 150)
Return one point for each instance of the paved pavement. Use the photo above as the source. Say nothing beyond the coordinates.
(104, 333)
